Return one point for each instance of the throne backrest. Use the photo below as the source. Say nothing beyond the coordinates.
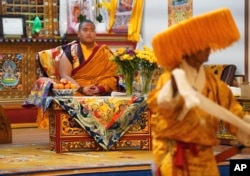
(48, 61)
(225, 72)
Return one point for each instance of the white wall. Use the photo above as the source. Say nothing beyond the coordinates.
(235, 53)
(155, 20)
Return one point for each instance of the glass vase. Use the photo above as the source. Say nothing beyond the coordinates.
(128, 80)
(145, 80)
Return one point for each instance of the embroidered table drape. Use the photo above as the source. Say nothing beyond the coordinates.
(106, 119)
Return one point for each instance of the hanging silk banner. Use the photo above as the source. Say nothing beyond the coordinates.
(179, 10)
(122, 16)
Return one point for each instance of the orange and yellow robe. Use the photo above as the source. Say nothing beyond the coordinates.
(184, 147)
(96, 69)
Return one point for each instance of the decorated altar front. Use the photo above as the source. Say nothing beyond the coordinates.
(98, 123)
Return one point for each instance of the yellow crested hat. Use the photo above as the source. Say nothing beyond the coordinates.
(216, 29)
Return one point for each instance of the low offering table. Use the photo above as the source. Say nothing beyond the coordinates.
(98, 123)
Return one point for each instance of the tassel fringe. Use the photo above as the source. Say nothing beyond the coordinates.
(216, 29)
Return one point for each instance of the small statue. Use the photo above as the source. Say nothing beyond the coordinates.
(36, 28)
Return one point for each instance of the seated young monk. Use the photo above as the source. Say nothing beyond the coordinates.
(87, 64)
(183, 128)
(83, 63)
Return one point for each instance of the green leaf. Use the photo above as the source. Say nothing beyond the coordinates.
(99, 18)
(81, 18)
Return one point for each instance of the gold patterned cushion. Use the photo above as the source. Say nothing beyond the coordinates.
(155, 77)
(217, 69)
(49, 61)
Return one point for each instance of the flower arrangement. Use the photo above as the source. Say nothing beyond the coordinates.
(147, 64)
(128, 63)
(146, 58)
(126, 59)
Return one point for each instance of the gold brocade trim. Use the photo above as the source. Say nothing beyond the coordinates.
(92, 145)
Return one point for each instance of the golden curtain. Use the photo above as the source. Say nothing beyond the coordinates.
(135, 19)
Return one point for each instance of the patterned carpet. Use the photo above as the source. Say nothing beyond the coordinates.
(38, 158)
(29, 154)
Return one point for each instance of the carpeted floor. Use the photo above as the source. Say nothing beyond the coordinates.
(34, 158)
(29, 154)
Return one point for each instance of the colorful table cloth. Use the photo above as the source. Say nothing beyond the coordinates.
(106, 119)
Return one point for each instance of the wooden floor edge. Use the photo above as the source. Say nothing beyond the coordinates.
(24, 125)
